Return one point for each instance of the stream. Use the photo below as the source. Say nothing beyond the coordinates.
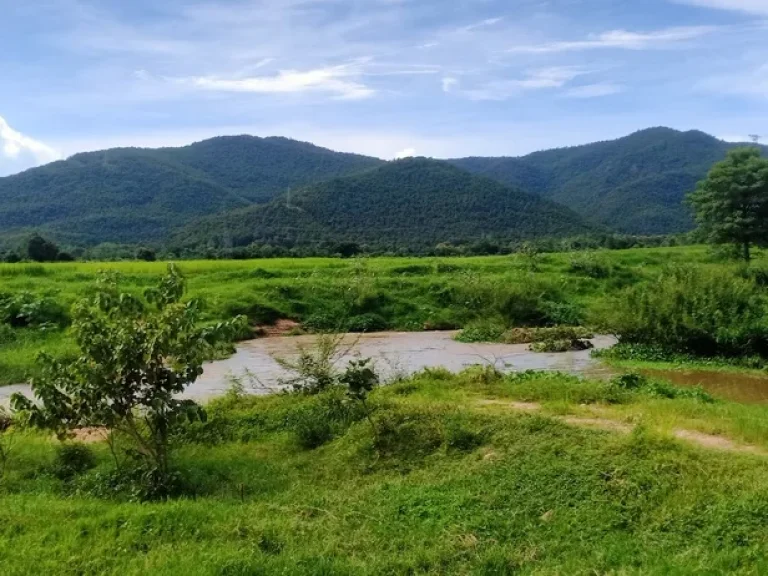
(403, 353)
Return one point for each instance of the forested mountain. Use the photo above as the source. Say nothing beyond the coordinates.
(413, 203)
(139, 195)
(635, 184)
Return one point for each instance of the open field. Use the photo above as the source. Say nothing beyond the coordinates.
(468, 474)
(359, 294)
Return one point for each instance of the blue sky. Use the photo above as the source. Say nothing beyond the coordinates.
(438, 78)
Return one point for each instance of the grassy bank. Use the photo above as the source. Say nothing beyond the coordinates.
(358, 294)
(460, 478)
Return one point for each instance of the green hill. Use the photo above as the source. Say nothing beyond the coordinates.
(138, 195)
(635, 184)
(414, 203)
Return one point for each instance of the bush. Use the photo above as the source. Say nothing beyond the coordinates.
(695, 311)
(591, 266)
(72, 460)
(27, 310)
(328, 417)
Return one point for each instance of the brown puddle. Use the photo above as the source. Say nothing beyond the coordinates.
(739, 387)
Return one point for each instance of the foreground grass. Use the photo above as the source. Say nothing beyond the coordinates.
(360, 294)
(453, 485)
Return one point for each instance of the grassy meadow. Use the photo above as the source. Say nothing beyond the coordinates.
(460, 477)
(366, 294)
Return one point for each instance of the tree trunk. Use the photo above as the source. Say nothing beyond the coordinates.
(747, 255)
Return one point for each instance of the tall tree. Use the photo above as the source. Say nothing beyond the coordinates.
(731, 204)
(41, 250)
(136, 357)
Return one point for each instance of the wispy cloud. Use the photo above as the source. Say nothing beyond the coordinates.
(620, 39)
(339, 81)
(540, 79)
(16, 146)
(748, 6)
(594, 90)
(482, 24)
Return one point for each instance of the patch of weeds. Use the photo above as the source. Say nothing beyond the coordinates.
(459, 438)
(407, 436)
(568, 345)
(659, 388)
(72, 460)
(531, 335)
(481, 331)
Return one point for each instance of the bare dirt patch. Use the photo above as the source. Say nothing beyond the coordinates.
(708, 441)
(90, 435)
(283, 327)
(716, 442)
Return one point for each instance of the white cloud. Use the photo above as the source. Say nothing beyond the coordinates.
(482, 24)
(18, 151)
(449, 84)
(497, 90)
(336, 80)
(620, 39)
(594, 90)
(749, 6)
(407, 153)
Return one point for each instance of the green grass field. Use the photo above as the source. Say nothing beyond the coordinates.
(358, 294)
(460, 481)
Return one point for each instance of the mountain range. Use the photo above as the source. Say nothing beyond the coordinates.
(244, 189)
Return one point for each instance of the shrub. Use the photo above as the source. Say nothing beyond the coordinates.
(72, 460)
(591, 266)
(329, 416)
(28, 310)
(690, 310)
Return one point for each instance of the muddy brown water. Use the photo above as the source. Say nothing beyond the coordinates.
(394, 354)
(403, 353)
(749, 388)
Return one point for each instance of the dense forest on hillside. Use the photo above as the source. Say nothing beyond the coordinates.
(239, 190)
(635, 185)
(139, 195)
(415, 203)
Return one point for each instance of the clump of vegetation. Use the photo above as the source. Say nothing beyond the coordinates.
(694, 311)
(533, 335)
(561, 345)
(659, 389)
(135, 357)
(72, 459)
(24, 309)
(590, 265)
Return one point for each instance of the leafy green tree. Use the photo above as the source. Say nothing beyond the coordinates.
(41, 250)
(146, 254)
(731, 204)
(136, 357)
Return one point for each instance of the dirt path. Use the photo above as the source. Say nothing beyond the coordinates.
(709, 441)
